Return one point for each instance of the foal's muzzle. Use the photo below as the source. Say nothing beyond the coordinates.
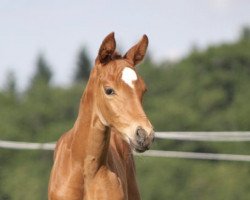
(143, 139)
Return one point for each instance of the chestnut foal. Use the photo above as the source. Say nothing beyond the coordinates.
(94, 159)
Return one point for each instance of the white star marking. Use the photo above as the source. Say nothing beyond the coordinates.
(128, 76)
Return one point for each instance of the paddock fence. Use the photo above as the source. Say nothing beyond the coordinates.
(183, 136)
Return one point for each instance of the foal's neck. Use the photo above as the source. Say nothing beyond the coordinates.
(90, 135)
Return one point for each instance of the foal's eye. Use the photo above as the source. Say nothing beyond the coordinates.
(109, 91)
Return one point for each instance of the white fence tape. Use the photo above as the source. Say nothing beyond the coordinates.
(206, 136)
(26, 145)
(192, 155)
(189, 136)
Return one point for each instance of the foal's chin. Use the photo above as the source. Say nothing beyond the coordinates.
(137, 148)
(134, 146)
(137, 143)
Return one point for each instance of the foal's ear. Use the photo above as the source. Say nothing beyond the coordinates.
(138, 51)
(107, 48)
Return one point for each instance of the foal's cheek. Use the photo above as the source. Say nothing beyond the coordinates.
(107, 109)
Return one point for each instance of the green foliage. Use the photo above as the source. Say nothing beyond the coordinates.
(43, 73)
(10, 86)
(83, 66)
(245, 33)
(184, 179)
(205, 91)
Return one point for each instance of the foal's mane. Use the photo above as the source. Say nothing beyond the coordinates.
(116, 56)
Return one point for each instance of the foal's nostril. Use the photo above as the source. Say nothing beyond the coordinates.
(143, 139)
(141, 133)
(141, 136)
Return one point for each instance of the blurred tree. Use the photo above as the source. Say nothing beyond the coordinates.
(245, 33)
(43, 72)
(83, 66)
(10, 85)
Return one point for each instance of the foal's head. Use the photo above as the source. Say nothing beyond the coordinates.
(119, 92)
